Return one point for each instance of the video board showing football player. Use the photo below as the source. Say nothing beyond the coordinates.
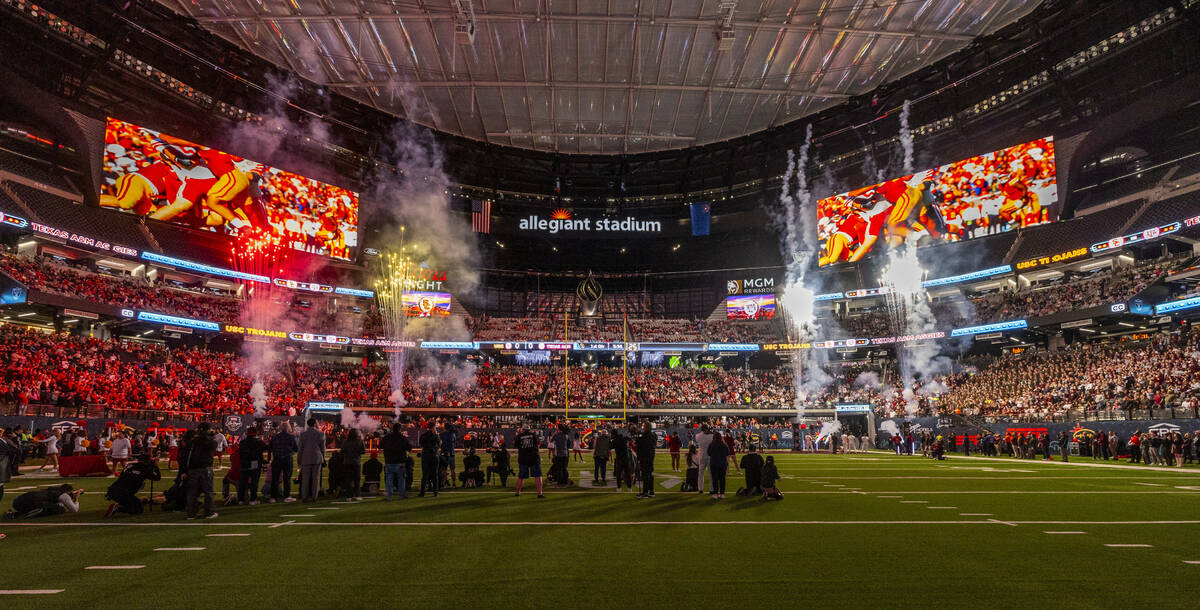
(154, 174)
(984, 195)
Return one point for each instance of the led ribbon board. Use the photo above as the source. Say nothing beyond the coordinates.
(966, 277)
(1133, 238)
(1179, 305)
(987, 328)
(162, 318)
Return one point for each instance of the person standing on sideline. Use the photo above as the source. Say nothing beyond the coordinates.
(529, 459)
(601, 449)
(674, 444)
(703, 440)
(646, 443)
(221, 443)
(430, 461)
(576, 446)
(395, 447)
(622, 459)
(718, 463)
(283, 447)
(120, 452)
(351, 456)
(732, 445)
(250, 458)
(448, 441)
(1064, 445)
(562, 457)
(312, 458)
(196, 462)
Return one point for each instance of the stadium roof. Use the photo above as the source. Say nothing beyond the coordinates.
(620, 76)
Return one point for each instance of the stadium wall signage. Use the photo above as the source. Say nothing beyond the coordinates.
(81, 240)
(555, 225)
(752, 285)
(1055, 258)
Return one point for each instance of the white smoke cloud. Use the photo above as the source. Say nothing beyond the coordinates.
(365, 424)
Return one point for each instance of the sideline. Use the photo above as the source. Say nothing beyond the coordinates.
(602, 523)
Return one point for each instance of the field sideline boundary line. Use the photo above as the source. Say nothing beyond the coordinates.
(270, 524)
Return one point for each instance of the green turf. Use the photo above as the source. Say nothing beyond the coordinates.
(826, 545)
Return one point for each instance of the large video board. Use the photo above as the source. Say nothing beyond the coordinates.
(750, 307)
(153, 174)
(983, 195)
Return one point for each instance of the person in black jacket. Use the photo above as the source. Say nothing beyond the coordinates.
(395, 447)
(471, 476)
(123, 492)
(195, 461)
(718, 464)
(501, 465)
(430, 443)
(646, 443)
(752, 465)
(352, 451)
(250, 460)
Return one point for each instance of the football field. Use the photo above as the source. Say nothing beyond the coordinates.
(853, 530)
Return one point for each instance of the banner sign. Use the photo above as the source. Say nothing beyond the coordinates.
(751, 285)
(564, 221)
(82, 240)
(1054, 258)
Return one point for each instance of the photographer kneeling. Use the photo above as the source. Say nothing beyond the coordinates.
(124, 491)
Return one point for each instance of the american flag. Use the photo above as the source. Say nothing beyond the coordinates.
(481, 215)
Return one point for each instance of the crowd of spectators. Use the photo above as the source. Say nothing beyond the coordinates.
(48, 274)
(1160, 372)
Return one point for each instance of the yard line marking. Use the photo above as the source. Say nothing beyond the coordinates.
(1191, 562)
(889, 496)
(914, 501)
(31, 591)
(1130, 546)
(1151, 484)
(226, 535)
(942, 507)
(275, 525)
(23, 488)
(114, 567)
(1074, 464)
(303, 515)
(180, 548)
(1063, 533)
(1003, 522)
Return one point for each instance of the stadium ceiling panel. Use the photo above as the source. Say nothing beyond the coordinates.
(611, 76)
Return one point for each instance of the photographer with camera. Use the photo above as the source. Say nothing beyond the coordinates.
(53, 501)
(124, 491)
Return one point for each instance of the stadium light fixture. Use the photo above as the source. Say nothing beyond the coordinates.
(27, 314)
(1088, 330)
(1126, 324)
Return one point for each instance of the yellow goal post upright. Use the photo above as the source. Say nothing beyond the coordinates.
(624, 378)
